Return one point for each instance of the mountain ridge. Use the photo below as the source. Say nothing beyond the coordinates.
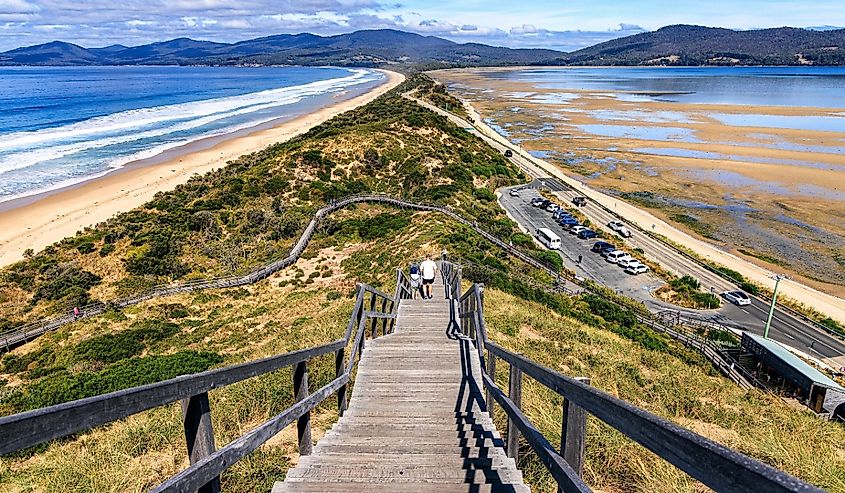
(677, 44)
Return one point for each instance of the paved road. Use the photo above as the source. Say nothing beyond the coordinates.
(785, 327)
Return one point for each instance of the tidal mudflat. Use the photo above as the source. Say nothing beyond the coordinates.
(753, 159)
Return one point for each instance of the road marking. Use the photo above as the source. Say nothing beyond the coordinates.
(789, 336)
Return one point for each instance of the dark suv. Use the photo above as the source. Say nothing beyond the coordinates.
(601, 245)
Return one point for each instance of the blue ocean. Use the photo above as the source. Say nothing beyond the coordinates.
(63, 125)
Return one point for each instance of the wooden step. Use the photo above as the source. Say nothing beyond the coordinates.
(416, 419)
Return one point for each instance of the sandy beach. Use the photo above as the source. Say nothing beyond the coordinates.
(41, 221)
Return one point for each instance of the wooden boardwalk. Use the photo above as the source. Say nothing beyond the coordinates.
(416, 420)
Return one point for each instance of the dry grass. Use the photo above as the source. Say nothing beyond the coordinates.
(691, 395)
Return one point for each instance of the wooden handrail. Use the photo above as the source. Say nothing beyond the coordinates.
(30, 428)
(715, 465)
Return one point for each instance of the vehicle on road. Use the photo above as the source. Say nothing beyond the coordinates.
(624, 232)
(548, 238)
(613, 257)
(514, 192)
(615, 225)
(599, 246)
(738, 297)
(576, 229)
(579, 201)
(636, 269)
(587, 234)
(508, 153)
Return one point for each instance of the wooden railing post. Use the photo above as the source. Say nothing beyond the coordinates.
(392, 323)
(374, 323)
(199, 434)
(515, 395)
(303, 424)
(384, 320)
(573, 433)
(491, 372)
(339, 358)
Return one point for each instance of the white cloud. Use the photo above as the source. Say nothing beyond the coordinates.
(17, 7)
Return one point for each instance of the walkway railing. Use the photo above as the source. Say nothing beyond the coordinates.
(374, 313)
(715, 465)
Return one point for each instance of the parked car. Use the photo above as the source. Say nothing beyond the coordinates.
(535, 202)
(569, 222)
(624, 232)
(613, 257)
(636, 269)
(615, 225)
(601, 245)
(587, 234)
(579, 201)
(607, 251)
(626, 262)
(545, 203)
(508, 153)
(552, 208)
(738, 298)
(514, 192)
(577, 229)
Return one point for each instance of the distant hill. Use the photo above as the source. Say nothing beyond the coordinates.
(360, 48)
(697, 45)
(671, 45)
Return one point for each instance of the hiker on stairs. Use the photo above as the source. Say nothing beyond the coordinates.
(429, 272)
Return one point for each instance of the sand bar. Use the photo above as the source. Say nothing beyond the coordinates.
(49, 218)
(823, 302)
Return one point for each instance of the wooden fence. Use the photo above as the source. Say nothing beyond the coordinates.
(374, 314)
(716, 466)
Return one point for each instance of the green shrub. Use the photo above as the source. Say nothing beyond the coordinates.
(609, 311)
(64, 281)
(749, 288)
(107, 249)
(86, 247)
(108, 348)
(685, 283)
(550, 258)
(128, 373)
(521, 239)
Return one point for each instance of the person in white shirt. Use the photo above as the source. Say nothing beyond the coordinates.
(429, 271)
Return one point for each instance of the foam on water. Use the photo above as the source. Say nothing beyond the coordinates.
(51, 158)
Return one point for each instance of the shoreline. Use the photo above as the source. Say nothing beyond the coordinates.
(39, 220)
(823, 302)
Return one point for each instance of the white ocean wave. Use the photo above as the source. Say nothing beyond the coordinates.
(22, 152)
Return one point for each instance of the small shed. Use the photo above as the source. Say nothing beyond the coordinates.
(809, 383)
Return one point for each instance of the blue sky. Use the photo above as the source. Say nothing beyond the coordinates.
(564, 25)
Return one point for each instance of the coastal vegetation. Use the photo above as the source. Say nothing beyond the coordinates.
(249, 213)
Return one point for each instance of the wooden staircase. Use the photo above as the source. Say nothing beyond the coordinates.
(416, 421)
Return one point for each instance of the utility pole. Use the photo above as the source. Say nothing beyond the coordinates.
(777, 278)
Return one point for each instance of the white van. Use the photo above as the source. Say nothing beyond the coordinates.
(614, 257)
(548, 238)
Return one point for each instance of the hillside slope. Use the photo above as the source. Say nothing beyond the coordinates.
(698, 45)
(248, 213)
